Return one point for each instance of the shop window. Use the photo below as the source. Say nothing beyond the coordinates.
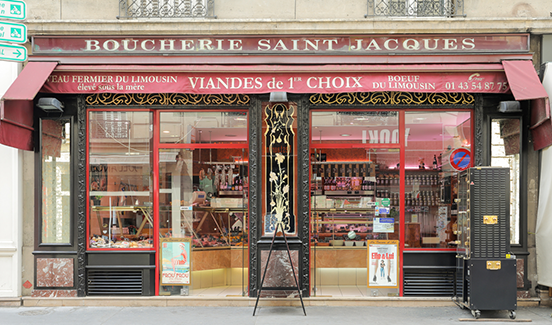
(204, 127)
(355, 203)
(203, 195)
(505, 152)
(360, 127)
(120, 179)
(56, 181)
(203, 202)
(438, 146)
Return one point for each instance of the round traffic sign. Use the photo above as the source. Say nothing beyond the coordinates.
(460, 159)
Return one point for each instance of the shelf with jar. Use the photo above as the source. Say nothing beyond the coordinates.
(343, 186)
(343, 203)
(343, 178)
(339, 230)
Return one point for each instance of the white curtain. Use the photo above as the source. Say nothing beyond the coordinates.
(544, 213)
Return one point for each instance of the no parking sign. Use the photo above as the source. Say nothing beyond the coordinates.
(460, 159)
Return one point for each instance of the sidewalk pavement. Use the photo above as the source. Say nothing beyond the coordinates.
(264, 315)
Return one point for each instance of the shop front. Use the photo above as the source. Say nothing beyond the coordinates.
(160, 174)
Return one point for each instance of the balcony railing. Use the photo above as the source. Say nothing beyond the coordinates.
(415, 8)
(166, 9)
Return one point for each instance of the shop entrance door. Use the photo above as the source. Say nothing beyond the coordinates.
(202, 203)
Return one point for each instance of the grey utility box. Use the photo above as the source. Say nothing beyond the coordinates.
(484, 260)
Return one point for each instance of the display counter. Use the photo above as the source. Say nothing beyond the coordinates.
(211, 258)
(339, 257)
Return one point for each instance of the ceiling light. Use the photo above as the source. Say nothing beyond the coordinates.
(230, 135)
(345, 135)
(166, 131)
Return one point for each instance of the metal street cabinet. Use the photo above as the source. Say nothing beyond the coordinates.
(484, 260)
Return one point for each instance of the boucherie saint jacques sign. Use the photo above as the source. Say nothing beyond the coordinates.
(328, 45)
(262, 79)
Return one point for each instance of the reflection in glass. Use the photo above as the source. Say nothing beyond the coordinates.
(120, 179)
(505, 152)
(203, 196)
(354, 199)
(56, 181)
(438, 146)
(203, 127)
(355, 127)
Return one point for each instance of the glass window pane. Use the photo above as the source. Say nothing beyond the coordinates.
(56, 181)
(203, 196)
(437, 148)
(120, 180)
(505, 152)
(203, 127)
(354, 199)
(355, 127)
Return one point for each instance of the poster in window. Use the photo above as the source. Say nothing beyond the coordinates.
(175, 261)
(383, 263)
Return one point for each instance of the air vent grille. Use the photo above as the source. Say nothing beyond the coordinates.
(115, 282)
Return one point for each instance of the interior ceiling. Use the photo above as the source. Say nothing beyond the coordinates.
(329, 126)
(420, 130)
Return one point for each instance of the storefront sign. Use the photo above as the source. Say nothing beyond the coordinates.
(252, 83)
(383, 263)
(308, 45)
(175, 261)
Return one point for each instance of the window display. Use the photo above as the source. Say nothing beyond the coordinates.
(355, 187)
(353, 201)
(201, 199)
(437, 148)
(120, 183)
(363, 189)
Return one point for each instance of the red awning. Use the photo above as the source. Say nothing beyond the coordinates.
(259, 79)
(29, 81)
(16, 108)
(525, 84)
(523, 79)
